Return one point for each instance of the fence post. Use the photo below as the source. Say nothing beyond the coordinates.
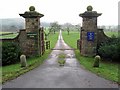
(47, 44)
(77, 44)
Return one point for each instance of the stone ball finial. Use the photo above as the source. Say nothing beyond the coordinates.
(32, 8)
(89, 8)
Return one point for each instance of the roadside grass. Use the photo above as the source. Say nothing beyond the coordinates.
(12, 71)
(46, 30)
(72, 38)
(108, 70)
(53, 39)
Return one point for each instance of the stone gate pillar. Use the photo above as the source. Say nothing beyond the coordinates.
(88, 38)
(32, 26)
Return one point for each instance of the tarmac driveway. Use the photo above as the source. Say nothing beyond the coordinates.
(51, 75)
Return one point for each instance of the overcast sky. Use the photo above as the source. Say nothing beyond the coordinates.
(62, 10)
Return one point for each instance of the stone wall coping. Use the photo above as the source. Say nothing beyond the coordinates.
(31, 15)
(22, 29)
(100, 29)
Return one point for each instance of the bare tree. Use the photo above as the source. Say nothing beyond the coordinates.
(54, 27)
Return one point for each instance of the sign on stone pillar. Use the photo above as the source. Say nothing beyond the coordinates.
(32, 26)
(90, 36)
(89, 31)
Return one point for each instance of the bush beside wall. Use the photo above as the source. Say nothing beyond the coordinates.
(110, 49)
(10, 53)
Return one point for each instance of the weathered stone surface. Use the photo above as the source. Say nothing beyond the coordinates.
(32, 13)
(31, 39)
(32, 23)
(23, 61)
(89, 33)
(97, 59)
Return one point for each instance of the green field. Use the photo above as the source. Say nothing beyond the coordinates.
(107, 70)
(72, 38)
(53, 38)
(8, 36)
(4, 32)
(75, 35)
(110, 34)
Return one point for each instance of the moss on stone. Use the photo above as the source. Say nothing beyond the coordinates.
(32, 8)
(89, 8)
(96, 61)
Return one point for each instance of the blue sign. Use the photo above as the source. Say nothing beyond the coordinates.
(90, 36)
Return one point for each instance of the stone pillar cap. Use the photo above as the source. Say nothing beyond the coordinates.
(90, 13)
(31, 13)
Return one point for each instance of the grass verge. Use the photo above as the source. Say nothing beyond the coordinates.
(53, 39)
(12, 71)
(72, 38)
(9, 36)
(108, 70)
